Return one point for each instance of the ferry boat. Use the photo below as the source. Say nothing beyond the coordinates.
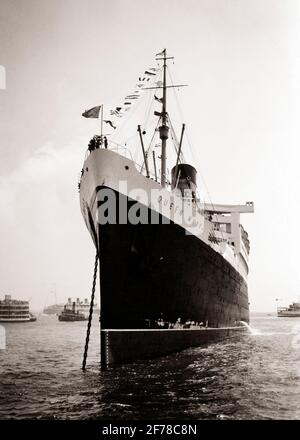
(12, 310)
(164, 253)
(292, 311)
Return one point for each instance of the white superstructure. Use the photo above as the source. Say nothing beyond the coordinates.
(217, 225)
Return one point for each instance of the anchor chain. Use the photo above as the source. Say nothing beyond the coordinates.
(90, 314)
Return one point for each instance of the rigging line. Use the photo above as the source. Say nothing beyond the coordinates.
(150, 144)
(187, 135)
(201, 174)
(127, 118)
(126, 140)
(131, 155)
(136, 106)
(118, 144)
(132, 140)
(149, 105)
(175, 94)
(190, 146)
(188, 139)
(175, 139)
(151, 102)
(137, 147)
(189, 143)
(179, 108)
(149, 148)
(180, 112)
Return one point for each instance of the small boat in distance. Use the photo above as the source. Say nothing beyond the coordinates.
(32, 317)
(292, 311)
(70, 314)
(54, 309)
(82, 306)
(12, 310)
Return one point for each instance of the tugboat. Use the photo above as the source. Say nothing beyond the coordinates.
(82, 306)
(71, 314)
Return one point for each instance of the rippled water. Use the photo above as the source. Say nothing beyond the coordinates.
(253, 376)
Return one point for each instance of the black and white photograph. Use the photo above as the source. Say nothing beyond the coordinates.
(149, 188)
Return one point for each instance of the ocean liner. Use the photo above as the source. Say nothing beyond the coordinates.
(168, 260)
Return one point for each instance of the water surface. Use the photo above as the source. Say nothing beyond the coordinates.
(252, 376)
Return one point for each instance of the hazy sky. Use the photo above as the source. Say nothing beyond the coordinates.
(241, 59)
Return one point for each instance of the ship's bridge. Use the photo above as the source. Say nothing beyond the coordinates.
(227, 227)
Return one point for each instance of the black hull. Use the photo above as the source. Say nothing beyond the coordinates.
(288, 316)
(157, 271)
(71, 319)
(122, 346)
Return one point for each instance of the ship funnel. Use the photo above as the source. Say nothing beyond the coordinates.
(184, 178)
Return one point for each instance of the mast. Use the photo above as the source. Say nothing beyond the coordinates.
(101, 122)
(144, 153)
(164, 129)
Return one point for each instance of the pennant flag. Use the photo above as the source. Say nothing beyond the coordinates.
(116, 112)
(161, 53)
(150, 74)
(110, 123)
(113, 113)
(147, 72)
(158, 99)
(92, 113)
